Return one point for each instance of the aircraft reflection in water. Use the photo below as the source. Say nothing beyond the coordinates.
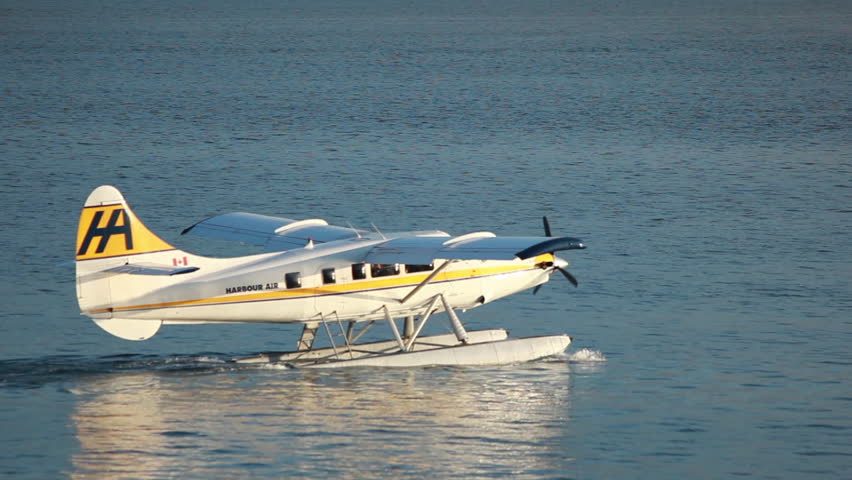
(341, 424)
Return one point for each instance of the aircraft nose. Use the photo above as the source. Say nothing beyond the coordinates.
(559, 262)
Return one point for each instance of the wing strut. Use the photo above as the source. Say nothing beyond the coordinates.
(427, 280)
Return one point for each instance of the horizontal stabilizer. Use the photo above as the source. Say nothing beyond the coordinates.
(150, 269)
(130, 329)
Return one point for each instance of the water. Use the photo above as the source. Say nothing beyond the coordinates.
(702, 151)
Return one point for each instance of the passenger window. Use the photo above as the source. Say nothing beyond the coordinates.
(293, 279)
(328, 276)
(384, 269)
(359, 271)
(419, 268)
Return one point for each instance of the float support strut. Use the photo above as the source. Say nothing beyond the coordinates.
(421, 323)
(458, 328)
(394, 329)
(408, 331)
(309, 333)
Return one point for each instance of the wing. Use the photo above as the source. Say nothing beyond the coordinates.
(473, 246)
(274, 233)
(413, 248)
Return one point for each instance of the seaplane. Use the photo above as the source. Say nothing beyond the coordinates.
(333, 280)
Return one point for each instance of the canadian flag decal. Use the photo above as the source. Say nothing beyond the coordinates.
(180, 261)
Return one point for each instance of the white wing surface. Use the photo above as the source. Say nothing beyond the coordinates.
(413, 248)
(273, 233)
(473, 246)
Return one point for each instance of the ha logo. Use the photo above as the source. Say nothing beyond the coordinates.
(105, 233)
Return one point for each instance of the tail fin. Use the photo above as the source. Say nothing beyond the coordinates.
(108, 228)
(110, 236)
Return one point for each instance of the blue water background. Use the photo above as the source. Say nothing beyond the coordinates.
(701, 149)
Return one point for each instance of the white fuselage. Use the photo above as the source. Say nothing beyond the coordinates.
(326, 281)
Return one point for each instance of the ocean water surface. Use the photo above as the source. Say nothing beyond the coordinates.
(702, 151)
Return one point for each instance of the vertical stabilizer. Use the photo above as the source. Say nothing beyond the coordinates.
(110, 235)
(108, 228)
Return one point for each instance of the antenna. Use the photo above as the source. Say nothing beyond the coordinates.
(378, 231)
(357, 233)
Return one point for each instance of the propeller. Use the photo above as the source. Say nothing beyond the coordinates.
(566, 273)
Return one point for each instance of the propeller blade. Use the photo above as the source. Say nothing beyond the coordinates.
(553, 243)
(568, 276)
(537, 288)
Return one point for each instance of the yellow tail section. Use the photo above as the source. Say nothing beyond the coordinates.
(109, 228)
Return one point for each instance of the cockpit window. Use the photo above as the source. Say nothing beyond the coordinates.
(419, 268)
(328, 276)
(359, 271)
(384, 269)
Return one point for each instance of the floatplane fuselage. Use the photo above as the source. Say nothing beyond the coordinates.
(131, 282)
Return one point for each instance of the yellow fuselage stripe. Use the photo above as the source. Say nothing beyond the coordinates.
(373, 284)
